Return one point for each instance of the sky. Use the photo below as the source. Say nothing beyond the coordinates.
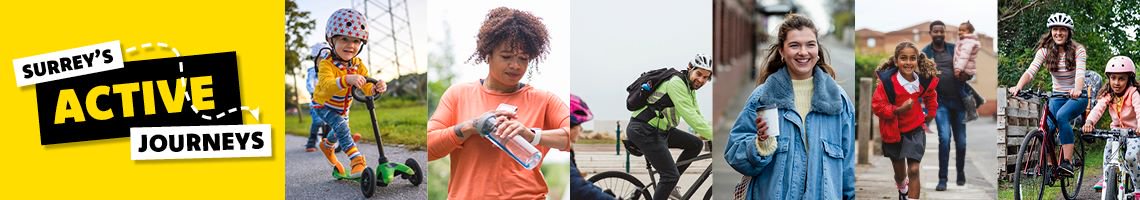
(889, 15)
(319, 12)
(618, 46)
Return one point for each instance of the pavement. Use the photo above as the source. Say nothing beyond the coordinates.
(876, 180)
(308, 174)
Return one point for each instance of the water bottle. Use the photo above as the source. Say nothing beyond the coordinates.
(518, 148)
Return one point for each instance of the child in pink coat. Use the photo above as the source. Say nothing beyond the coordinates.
(1120, 98)
(966, 52)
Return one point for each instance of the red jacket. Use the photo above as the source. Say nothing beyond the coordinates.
(891, 125)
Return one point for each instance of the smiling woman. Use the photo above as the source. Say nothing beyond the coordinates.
(815, 148)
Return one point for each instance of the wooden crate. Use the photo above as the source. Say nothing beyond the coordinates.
(1015, 119)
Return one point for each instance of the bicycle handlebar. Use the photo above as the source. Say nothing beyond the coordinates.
(1035, 94)
(361, 95)
(1107, 134)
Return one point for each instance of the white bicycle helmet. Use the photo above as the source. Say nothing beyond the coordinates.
(346, 22)
(1060, 19)
(701, 61)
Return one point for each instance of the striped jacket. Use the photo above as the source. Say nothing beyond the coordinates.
(332, 90)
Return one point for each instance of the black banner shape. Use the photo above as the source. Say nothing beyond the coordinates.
(222, 67)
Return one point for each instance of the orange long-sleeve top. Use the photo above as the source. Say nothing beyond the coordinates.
(479, 170)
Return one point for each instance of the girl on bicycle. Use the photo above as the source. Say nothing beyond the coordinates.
(1122, 101)
(907, 82)
(1065, 60)
(813, 156)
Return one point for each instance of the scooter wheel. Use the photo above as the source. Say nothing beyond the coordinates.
(367, 182)
(416, 178)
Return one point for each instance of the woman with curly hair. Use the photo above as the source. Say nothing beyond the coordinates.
(510, 42)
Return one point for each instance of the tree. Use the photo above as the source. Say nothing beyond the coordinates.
(297, 26)
(440, 61)
(1100, 25)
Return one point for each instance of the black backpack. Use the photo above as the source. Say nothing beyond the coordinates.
(885, 76)
(640, 90)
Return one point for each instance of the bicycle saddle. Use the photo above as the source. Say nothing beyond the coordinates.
(631, 148)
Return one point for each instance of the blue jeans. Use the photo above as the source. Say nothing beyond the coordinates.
(339, 132)
(1065, 109)
(314, 128)
(950, 123)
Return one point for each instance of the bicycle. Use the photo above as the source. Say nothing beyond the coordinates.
(618, 183)
(1117, 181)
(1038, 157)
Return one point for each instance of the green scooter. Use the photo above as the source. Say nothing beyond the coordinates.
(385, 171)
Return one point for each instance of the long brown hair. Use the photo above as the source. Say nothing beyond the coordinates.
(1051, 58)
(926, 66)
(775, 62)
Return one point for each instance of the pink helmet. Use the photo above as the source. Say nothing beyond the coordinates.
(1120, 64)
(579, 111)
(347, 22)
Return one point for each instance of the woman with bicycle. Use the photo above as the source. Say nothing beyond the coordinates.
(812, 157)
(907, 85)
(510, 42)
(1065, 60)
(1122, 101)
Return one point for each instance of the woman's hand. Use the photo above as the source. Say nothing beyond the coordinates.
(509, 128)
(1086, 128)
(1013, 90)
(761, 129)
(1075, 93)
(479, 123)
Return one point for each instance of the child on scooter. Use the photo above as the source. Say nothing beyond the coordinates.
(1120, 97)
(346, 34)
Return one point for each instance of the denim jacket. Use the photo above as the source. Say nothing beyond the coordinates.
(823, 168)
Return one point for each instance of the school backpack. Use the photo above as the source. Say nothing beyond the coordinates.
(885, 76)
(645, 85)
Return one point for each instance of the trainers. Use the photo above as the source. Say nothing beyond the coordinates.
(961, 179)
(902, 195)
(675, 194)
(327, 150)
(1066, 169)
(1099, 185)
(941, 186)
(310, 149)
(358, 163)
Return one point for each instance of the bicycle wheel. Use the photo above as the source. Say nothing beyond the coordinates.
(1030, 171)
(1110, 188)
(1071, 186)
(708, 194)
(620, 184)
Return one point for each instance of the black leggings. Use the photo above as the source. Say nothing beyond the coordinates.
(655, 144)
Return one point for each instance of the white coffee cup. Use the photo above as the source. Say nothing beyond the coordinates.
(772, 117)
